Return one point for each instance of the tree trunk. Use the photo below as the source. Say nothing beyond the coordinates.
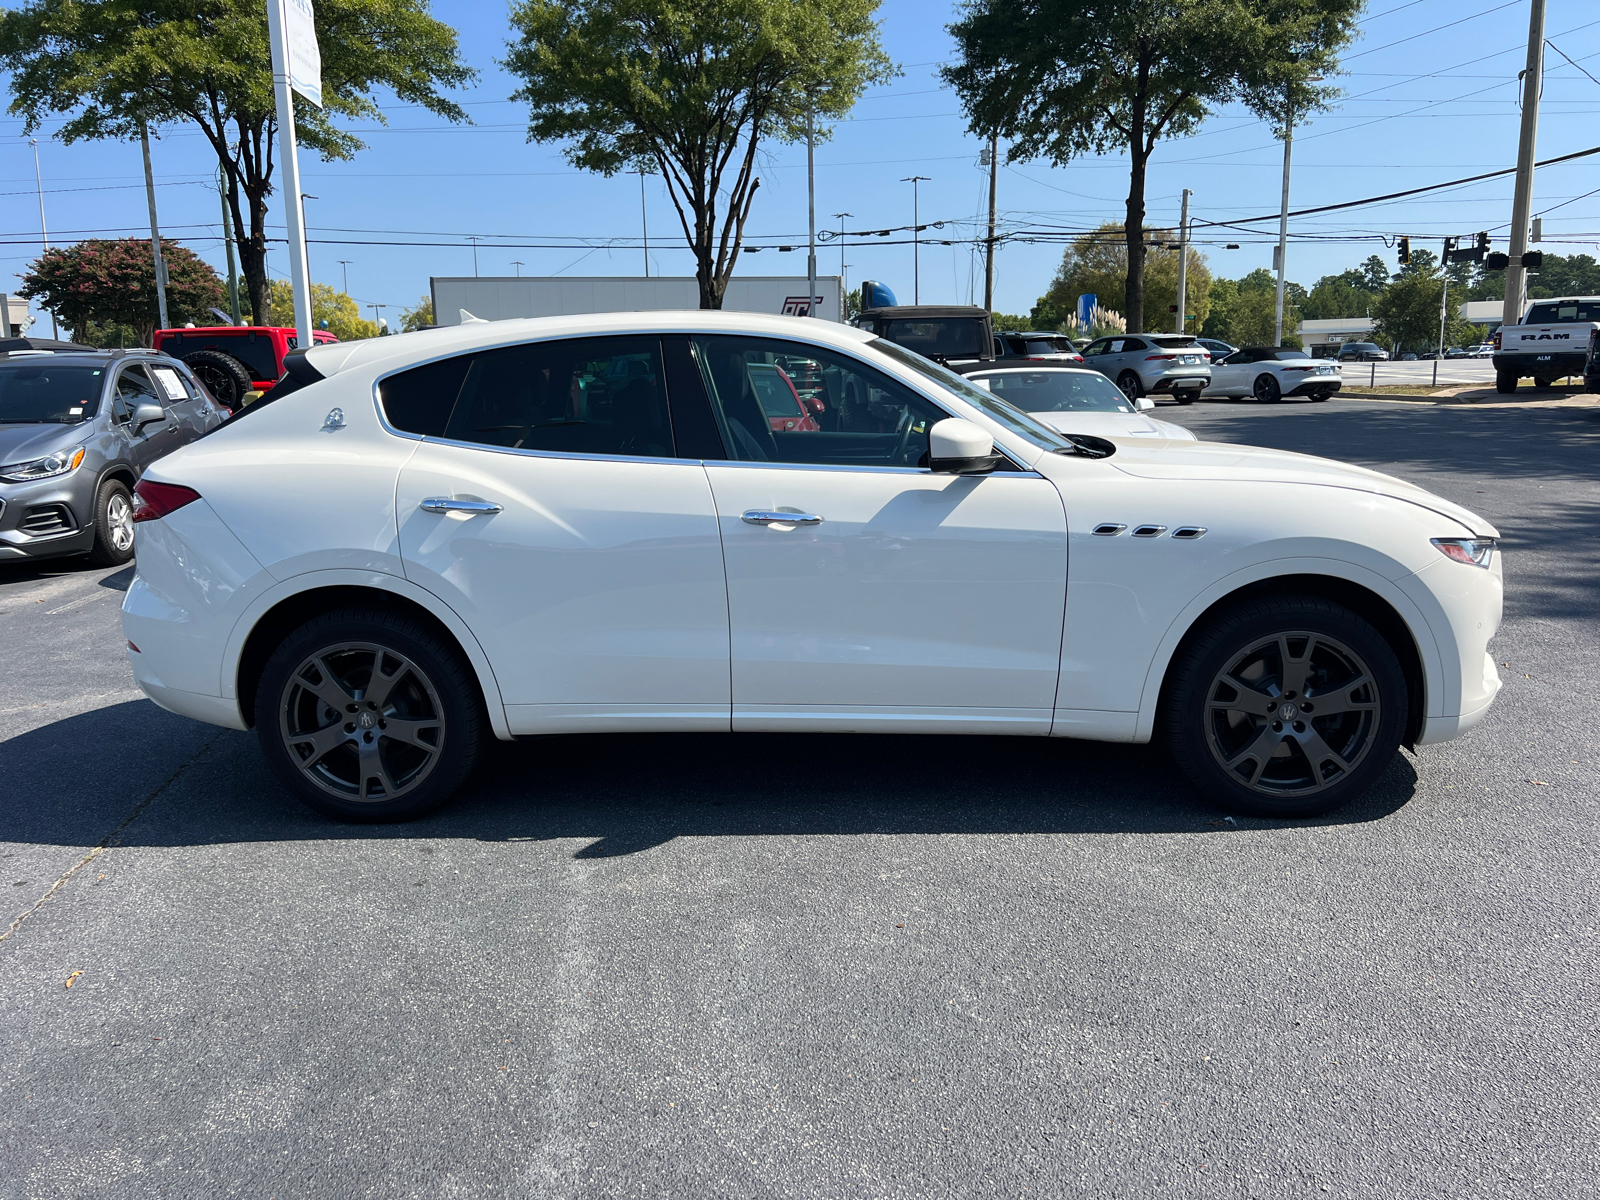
(1133, 227)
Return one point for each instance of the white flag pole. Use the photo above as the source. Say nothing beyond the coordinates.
(289, 166)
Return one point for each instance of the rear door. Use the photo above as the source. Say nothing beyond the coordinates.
(183, 404)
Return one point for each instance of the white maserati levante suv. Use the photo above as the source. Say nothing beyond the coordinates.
(592, 523)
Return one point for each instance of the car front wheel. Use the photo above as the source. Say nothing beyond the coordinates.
(369, 716)
(113, 525)
(1287, 706)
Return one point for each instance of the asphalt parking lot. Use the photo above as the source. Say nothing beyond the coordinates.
(762, 966)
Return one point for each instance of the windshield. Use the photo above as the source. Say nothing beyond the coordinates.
(36, 393)
(940, 337)
(1564, 310)
(1017, 421)
(1055, 391)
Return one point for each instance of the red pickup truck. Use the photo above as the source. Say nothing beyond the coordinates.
(234, 360)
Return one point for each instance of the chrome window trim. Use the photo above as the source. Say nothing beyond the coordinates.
(555, 454)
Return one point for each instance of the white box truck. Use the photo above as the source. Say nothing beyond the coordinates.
(502, 298)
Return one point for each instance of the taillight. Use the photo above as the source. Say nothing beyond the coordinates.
(1495, 340)
(1158, 357)
(152, 500)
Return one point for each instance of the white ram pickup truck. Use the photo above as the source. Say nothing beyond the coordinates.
(1554, 340)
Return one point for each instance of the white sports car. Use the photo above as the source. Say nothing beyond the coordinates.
(589, 523)
(1269, 373)
(1074, 400)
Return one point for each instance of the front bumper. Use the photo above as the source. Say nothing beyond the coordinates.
(48, 517)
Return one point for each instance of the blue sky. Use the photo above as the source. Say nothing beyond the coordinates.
(1424, 104)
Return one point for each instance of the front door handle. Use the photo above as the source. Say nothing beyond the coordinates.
(444, 504)
(763, 516)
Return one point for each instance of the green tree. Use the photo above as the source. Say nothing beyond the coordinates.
(331, 309)
(109, 65)
(1243, 311)
(418, 315)
(1061, 78)
(1335, 296)
(1007, 321)
(1406, 316)
(99, 284)
(1558, 275)
(690, 89)
(1097, 263)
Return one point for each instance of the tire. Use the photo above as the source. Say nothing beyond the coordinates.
(1505, 382)
(1266, 389)
(1308, 764)
(113, 525)
(317, 752)
(225, 377)
(1186, 395)
(1542, 384)
(1320, 397)
(1130, 385)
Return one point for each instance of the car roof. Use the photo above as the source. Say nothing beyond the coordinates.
(443, 341)
(86, 353)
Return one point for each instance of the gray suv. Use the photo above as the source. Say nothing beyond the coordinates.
(78, 427)
(1171, 364)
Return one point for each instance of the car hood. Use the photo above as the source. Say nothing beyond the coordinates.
(1219, 462)
(20, 443)
(1113, 425)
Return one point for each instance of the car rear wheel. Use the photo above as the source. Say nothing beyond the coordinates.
(1130, 385)
(1266, 389)
(1287, 706)
(1542, 384)
(1321, 394)
(225, 377)
(369, 716)
(113, 525)
(1505, 382)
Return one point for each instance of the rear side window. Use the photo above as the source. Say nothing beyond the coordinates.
(420, 400)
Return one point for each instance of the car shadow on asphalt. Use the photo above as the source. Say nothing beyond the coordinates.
(625, 793)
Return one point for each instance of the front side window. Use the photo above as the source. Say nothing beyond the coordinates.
(133, 389)
(35, 393)
(577, 396)
(856, 416)
(1031, 430)
(1055, 391)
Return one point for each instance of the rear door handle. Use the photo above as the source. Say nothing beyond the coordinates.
(444, 504)
(763, 516)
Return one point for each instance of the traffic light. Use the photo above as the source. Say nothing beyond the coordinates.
(1450, 251)
(1483, 243)
(1405, 252)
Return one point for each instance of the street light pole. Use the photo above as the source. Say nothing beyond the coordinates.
(1522, 197)
(345, 263)
(1183, 264)
(155, 230)
(644, 221)
(916, 239)
(227, 239)
(44, 233)
(519, 265)
(811, 208)
(473, 238)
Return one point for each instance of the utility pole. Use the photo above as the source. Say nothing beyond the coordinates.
(843, 288)
(988, 243)
(916, 238)
(644, 221)
(155, 230)
(1183, 266)
(1283, 232)
(227, 239)
(811, 208)
(345, 263)
(44, 233)
(1522, 198)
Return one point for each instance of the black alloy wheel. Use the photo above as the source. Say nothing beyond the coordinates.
(369, 716)
(1266, 389)
(1288, 706)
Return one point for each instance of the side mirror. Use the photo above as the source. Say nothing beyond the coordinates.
(1144, 404)
(958, 447)
(147, 414)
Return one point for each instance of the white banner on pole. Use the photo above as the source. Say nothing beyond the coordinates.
(302, 51)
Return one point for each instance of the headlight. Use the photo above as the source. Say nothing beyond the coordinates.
(59, 463)
(1475, 552)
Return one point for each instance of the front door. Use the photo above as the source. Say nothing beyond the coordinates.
(133, 388)
(545, 506)
(864, 591)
